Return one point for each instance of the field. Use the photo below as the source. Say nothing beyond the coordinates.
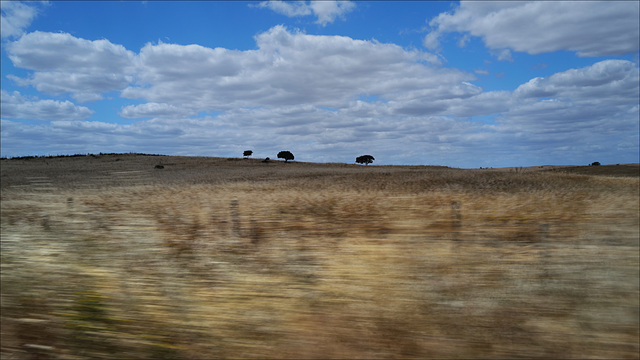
(107, 256)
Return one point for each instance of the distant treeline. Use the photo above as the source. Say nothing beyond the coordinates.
(74, 155)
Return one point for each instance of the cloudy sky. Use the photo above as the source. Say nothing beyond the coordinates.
(463, 84)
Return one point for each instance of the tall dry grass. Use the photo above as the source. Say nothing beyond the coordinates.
(318, 261)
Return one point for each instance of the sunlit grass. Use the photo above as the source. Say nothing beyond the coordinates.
(319, 261)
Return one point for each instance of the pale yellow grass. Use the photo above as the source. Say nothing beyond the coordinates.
(322, 262)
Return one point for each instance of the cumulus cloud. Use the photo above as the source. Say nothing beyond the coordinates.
(603, 81)
(154, 110)
(315, 94)
(569, 112)
(591, 28)
(290, 9)
(288, 68)
(16, 106)
(66, 64)
(326, 11)
(577, 109)
(15, 17)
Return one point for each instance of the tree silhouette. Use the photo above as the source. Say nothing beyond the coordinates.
(247, 153)
(286, 155)
(365, 159)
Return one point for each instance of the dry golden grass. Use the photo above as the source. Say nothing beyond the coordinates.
(216, 258)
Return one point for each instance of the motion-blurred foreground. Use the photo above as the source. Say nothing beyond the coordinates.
(108, 257)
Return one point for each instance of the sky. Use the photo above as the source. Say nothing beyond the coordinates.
(461, 84)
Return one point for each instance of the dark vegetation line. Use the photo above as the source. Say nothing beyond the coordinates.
(74, 155)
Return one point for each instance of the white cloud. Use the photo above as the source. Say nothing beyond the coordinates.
(83, 87)
(503, 55)
(154, 110)
(16, 106)
(66, 64)
(288, 68)
(590, 28)
(603, 81)
(45, 51)
(577, 108)
(290, 9)
(326, 11)
(322, 97)
(16, 17)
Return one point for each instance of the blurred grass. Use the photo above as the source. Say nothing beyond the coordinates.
(620, 170)
(211, 258)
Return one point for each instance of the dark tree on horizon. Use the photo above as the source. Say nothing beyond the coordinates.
(365, 159)
(286, 155)
(247, 153)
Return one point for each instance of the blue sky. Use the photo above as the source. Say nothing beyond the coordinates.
(463, 84)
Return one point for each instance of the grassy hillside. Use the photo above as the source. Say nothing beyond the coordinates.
(110, 257)
(605, 170)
